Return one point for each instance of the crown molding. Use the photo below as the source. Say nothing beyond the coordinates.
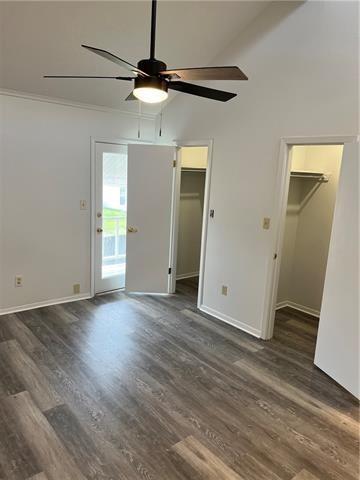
(67, 103)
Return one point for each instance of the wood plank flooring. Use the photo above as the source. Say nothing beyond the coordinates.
(131, 387)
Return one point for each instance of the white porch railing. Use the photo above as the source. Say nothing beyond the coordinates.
(114, 242)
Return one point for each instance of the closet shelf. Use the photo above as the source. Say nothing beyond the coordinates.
(198, 170)
(319, 176)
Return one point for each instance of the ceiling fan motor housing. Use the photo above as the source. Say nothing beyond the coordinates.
(151, 66)
(151, 82)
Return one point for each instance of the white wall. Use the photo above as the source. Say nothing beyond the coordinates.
(308, 227)
(191, 209)
(337, 348)
(302, 63)
(45, 171)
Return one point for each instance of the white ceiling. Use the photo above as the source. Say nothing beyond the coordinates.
(38, 38)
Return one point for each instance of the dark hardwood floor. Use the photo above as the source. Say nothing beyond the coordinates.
(130, 387)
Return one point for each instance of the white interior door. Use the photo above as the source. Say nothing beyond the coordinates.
(337, 347)
(110, 216)
(149, 215)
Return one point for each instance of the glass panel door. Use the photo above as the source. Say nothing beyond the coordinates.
(111, 208)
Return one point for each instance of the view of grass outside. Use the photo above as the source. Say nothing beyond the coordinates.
(110, 217)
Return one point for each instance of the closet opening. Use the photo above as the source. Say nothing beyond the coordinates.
(313, 183)
(193, 167)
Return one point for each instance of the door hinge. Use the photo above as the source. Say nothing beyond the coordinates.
(169, 270)
(174, 163)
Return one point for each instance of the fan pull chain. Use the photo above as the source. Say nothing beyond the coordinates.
(160, 126)
(139, 121)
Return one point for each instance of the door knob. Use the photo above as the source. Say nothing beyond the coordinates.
(99, 230)
(132, 229)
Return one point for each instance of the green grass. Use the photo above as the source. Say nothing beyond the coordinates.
(109, 225)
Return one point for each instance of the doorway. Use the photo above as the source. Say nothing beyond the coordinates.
(110, 216)
(135, 214)
(193, 168)
(307, 226)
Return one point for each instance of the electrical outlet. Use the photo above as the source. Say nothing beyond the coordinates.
(76, 288)
(18, 281)
(224, 290)
(266, 223)
(83, 205)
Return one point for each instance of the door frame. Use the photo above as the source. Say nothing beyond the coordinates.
(176, 212)
(282, 187)
(93, 142)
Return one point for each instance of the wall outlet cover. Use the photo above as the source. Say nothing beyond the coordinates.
(224, 290)
(266, 223)
(18, 281)
(76, 288)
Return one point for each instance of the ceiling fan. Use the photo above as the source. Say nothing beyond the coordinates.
(152, 79)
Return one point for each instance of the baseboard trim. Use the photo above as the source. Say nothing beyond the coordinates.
(281, 305)
(187, 275)
(45, 303)
(296, 306)
(231, 321)
(108, 292)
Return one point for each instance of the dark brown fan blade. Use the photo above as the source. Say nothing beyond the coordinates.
(206, 92)
(206, 73)
(88, 76)
(115, 59)
(131, 97)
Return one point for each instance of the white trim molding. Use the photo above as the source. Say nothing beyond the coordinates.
(69, 103)
(187, 275)
(45, 303)
(231, 321)
(322, 140)
(300, 308)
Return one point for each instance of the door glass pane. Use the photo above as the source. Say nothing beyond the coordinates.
(114, 215)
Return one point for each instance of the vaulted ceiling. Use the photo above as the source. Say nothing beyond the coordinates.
(38, 38)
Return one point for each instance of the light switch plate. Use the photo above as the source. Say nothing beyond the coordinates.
(83, 205)
(266, 223)
(224, 290)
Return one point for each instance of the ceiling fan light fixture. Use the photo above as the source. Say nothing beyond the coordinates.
(152, 79)
(150, 89)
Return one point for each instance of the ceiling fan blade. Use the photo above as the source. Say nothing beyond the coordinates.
(131, 97)
(206, 73)
(88, 76)
(200, 91)
(115, 59)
